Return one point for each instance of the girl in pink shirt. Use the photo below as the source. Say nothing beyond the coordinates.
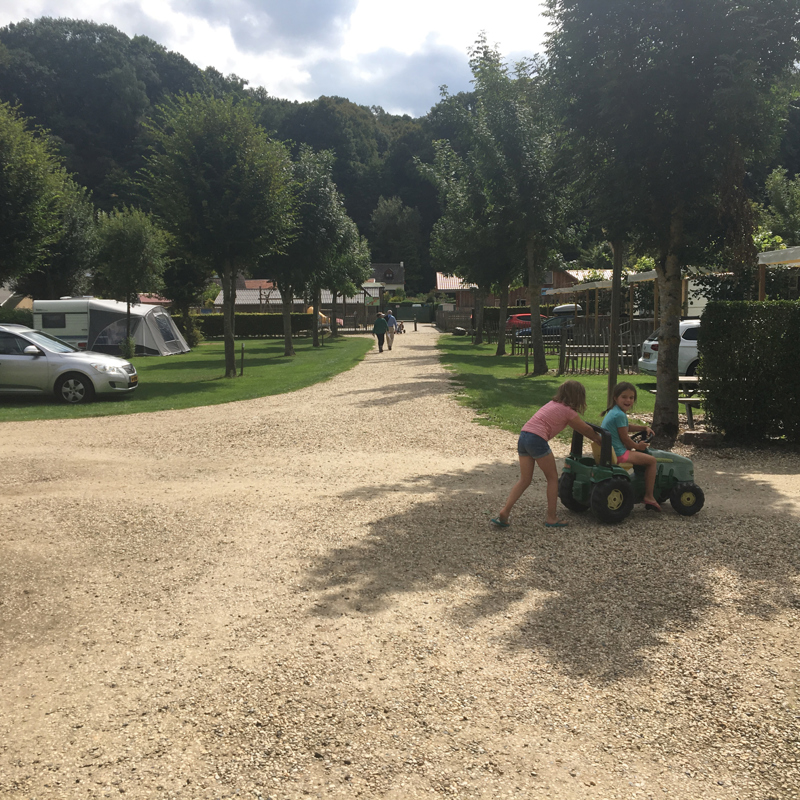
(564, 409)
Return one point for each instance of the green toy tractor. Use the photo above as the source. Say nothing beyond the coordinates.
(596, 481)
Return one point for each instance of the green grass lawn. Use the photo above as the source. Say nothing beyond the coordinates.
(503, 396)
(196, 378)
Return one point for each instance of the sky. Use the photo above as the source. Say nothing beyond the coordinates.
(373, 52)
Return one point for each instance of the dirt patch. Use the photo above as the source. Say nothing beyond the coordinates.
(301, 596)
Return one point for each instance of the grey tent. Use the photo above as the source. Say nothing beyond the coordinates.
(100, 325)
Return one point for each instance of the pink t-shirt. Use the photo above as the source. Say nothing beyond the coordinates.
(550, 419)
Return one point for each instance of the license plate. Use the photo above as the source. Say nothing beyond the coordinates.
(134, 380)
(646, 356)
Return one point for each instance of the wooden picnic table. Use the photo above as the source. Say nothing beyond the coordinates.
(689, 384)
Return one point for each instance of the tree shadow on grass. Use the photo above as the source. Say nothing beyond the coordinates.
(594, 599)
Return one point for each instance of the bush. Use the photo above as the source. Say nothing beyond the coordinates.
(127, 347)
(17, 316)
(748, 353)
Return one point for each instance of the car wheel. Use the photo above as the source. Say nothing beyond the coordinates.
(692, 369)
(612, 500)
(74, 389)
(687, 498)
(565, 485)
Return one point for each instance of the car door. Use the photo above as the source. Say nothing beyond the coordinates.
(20, 372)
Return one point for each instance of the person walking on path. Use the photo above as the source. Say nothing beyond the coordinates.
(391, 321)
(379, 330)
(568, 403)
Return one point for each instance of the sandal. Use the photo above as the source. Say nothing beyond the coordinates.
(556, 524)
(499, 523)
(651, 506)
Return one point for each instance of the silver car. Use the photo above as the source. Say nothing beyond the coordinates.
(32, 362)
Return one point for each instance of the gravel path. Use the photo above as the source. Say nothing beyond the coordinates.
(301, 596)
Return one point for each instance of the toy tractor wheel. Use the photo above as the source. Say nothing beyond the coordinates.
(687, 498)
(565, 485)
(612, 500)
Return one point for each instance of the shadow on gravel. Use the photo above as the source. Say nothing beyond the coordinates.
(593, 599)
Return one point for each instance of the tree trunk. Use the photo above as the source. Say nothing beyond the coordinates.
(535, 295)
(287, 298)
(668, 267)
(477, 313)
(501, 331)
(229, 318)
(315, 304)
(613, 333)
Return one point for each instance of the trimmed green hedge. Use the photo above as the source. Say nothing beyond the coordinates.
(248, 326)
(19, 316)
(749, 363)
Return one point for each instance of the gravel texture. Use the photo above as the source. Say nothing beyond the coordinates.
(301, 596)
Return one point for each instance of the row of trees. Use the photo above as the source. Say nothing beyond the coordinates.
(645, 124)
(94, 88)
(221, 198)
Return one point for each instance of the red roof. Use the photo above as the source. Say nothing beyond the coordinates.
(258, 283)
(153, 300)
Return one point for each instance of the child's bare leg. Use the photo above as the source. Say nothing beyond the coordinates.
(526, 465)
(548, 466)
(650, 469)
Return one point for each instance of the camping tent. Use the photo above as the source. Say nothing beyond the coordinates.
(101, 325)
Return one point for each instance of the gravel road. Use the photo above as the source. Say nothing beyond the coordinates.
(301, 596)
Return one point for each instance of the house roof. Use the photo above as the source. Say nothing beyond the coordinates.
(389, 273)
(258, 283)
(451, 283)
(149, 299)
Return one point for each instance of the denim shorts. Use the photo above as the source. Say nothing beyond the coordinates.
(531, 444)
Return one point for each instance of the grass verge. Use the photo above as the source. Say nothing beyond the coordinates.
(504, 397)
(196, 379)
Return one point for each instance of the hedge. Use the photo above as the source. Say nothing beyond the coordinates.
(748, 361)
(248, 326)
(18, 316)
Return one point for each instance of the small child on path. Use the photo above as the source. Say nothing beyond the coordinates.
(616, 422)
(564, 409)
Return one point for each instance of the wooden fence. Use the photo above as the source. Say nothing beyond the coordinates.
(582, 348)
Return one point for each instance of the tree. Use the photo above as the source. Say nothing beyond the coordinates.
(130, 258)
(312, 260)
(396, 235)
(670, 102)
(222, 188)
(506, 182)
(516, 140)
(467, 240)
(32, 189)
(68, 262)
(782, 213)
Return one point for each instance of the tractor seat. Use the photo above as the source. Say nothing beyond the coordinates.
(596, 454)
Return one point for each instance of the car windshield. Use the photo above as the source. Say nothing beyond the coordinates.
(49, 342)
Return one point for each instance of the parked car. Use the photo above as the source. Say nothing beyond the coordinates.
(33, 362)
(516, 321)
(687, 350)
(551, 326)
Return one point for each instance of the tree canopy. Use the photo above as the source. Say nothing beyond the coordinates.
(222, 188)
